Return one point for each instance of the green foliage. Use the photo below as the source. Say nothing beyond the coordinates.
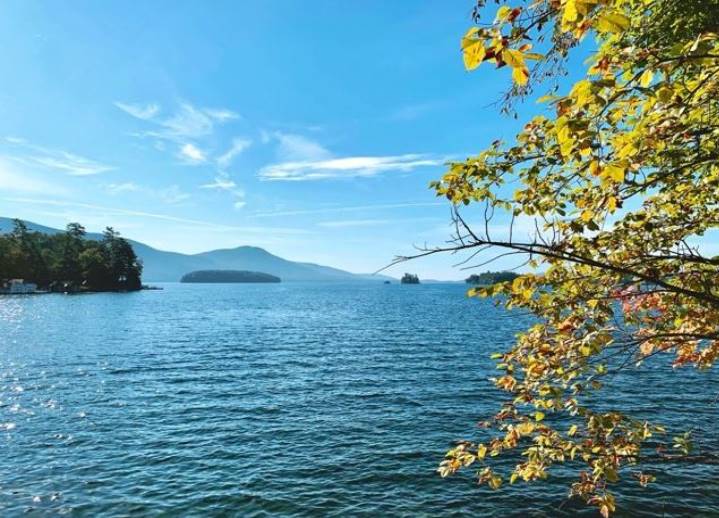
(69, 259)
(621, 176)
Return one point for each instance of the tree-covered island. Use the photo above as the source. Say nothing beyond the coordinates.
(229, 276)
(409, 278)
(68, 262)
(489, 278)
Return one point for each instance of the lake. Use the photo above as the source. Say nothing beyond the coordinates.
(284, 400)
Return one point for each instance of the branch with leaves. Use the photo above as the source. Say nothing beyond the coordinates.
(619, 176)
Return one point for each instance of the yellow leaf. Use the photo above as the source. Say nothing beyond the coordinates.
(615, 172)
(520, 76)
(612, 22)
(570, 12)
(646, 78)
(612, 204)
(587, 216)
(503, 13)
(469, 37)
(572, 430)
(473, 55)
(481, 451)
(538, 416)
(473, 50)
(513, 58)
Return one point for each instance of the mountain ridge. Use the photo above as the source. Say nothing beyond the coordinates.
(168, 266)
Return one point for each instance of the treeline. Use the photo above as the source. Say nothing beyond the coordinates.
(69, 262)
(491, 277)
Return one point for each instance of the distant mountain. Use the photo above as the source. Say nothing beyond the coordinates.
(161, 266)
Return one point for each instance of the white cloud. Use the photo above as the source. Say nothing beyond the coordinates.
(188, 122)
(13, 180)
(221, 182)
(118, 188)
(237, 147)
(413, 111)
(191, 154)
(57, 159)
(172, 195)
(347, 167)
(354, 223)
(139, 111)
(221, 114)
(113, 212)
(293, 147)
(355, 208)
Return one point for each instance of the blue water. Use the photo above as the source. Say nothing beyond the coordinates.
(283, 400)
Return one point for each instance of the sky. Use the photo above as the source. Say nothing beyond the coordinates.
(311, 129)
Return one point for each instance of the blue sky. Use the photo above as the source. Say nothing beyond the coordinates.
(311, 129)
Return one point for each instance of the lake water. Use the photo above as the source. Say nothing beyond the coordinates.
(283, 400)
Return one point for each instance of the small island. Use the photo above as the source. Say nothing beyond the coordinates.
(410, 278)
(227, 276)
(489, 278)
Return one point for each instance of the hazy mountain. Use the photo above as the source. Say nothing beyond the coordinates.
(161, 266)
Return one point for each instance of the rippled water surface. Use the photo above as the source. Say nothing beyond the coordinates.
(290, 399)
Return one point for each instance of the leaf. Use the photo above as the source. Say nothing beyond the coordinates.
(513, 58)
(520, 76)
(572, 430)
(538, 416)
(612, 204)
(503, 13)
(481, 451)
(615, 172)
(646, 78)
(612, 22)
(473, 51)
(570, 12)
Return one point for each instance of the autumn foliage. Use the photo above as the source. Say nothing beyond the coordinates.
(621, 177)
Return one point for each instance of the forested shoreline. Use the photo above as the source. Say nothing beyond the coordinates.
(69, 262)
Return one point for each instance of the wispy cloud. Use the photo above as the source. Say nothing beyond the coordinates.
(172, 195)
(111, 211)
(413, 112)
(237, 147)
(186, 123)
(221, 114)
(14, 180)
(169, 195)
(348, 167)
(191, 154)
(352, 208)
(119, 188)
(348, 223)
(139, 111)
(291, 147)
(55, 159)
(354, 223)
(222, 182)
